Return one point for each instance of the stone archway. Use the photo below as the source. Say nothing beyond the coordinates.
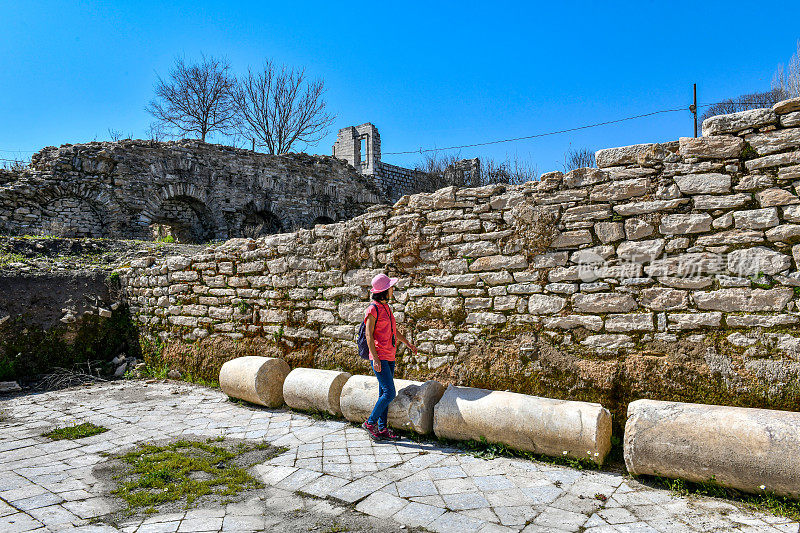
(184, 219)
(258, 223)
(322, 220)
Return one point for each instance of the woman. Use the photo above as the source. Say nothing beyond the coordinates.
(382, 336)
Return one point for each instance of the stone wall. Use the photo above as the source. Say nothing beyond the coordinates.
(670, 272)
(187, 189)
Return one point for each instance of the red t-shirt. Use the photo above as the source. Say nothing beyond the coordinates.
(384, 327)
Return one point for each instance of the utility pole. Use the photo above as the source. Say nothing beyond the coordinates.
(695, 134)
(693, 109)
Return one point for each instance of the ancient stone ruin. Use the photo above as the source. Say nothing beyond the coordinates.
(670, 272)
(191, 191)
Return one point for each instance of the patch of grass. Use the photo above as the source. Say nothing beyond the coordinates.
(187, 470)
(490, 450)
(199, 380)
(8, 258)
(321, 415)
(764, 501)
(336, 528)
(80, 431)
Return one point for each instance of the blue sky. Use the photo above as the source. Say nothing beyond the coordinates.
(427, 74)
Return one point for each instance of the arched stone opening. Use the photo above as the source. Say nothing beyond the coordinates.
(183, 219)
(322, 220)
(260, 223)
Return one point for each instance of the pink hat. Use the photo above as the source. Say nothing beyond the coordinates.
(382, 282)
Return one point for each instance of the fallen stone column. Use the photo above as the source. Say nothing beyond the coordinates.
(412, 409)
(739, 447)
(309, 389)
(527, 423)
(254, 379)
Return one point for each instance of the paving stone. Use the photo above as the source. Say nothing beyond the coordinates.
(418, 514)
(560, 519)
(160, 527)
(381, 505)
(451, 522)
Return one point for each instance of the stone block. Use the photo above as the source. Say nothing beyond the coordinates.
(664, 299)
(607, 342)
(682, 224)
(684, 321)
(770, 161)
(636, 228)
(650, 206)
(528, 423)
(774, 141)
(790, 120)
(756, 218)
(708, 183)
(757, 260)
(718, 147)
(787, 106)
(736, 122)
(572, 239)
(498, 262)
(254, 379)
(750, 448)
(592, 323)
(411, 410)
(620, 190)
(609, 231)
(637, 154)
(775, 197)
(729, 201)
(741, 299)
(641, 251)
(603, 303)
(735, 236)
(485, 319)
(544, 304)
(630, 322)
(760, 321)
(788, 233)
(311, 389)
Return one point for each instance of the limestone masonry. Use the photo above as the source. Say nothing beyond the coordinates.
(670, 272)
(187, 189)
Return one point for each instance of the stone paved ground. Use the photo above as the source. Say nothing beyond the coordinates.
(331, 472)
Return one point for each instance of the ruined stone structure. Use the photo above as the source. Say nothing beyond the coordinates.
(361, 147)
(670, 272)
(188, 189)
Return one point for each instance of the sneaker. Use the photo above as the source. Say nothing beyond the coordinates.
(387, 433)
(372, 429)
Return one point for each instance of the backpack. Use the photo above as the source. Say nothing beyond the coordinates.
(361, 340)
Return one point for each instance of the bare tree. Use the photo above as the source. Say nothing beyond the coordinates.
(578, 158)
(279, 107)
(196, 98)
(448, 170)
(745, 102)
(511, 171)
(788, 81)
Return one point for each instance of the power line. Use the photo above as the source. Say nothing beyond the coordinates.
(557, 132)
(587, 126)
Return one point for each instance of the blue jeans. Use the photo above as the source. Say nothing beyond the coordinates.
(386, 394)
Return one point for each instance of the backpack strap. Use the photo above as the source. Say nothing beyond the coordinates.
(377, 312)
